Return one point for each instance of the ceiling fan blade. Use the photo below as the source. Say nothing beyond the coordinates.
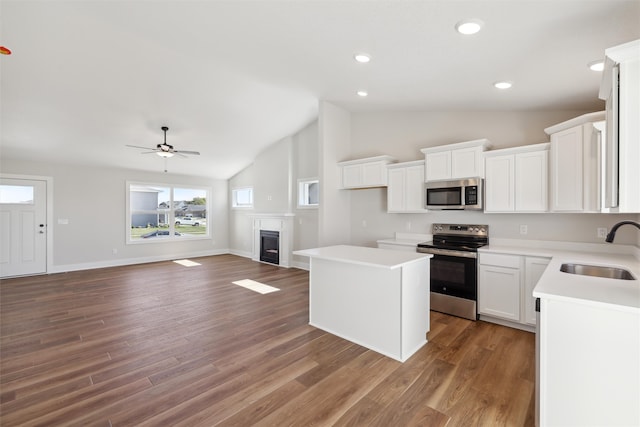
(195, 153)
(137, 146)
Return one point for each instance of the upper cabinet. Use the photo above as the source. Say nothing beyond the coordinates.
(462, 160)
(405, 191)
(365, 173)
(620, 89)
(575, 164)
(516, 179)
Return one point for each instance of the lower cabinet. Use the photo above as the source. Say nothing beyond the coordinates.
(589, 370)
(499, 286)
(534, 267)
(505, 286)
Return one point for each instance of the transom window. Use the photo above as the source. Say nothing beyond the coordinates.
(16, 194)
(160, 212)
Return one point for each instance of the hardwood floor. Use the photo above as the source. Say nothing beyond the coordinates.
(161, 344)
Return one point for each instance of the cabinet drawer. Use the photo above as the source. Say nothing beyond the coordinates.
(511, 261)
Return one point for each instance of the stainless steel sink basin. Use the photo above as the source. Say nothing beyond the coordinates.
(597, 271)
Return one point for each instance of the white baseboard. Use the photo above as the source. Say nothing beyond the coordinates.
(132, 261)
(300, 265)
(245, 254)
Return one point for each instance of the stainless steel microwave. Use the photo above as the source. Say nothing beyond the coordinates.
(455, 194)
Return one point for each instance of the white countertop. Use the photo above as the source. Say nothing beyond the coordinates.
(598, 291)
(374, 257)
(407, 239)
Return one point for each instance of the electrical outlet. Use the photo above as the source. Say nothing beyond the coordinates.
(114, 251)
(407, 226)
(364, 223)
(523, 229)
(602, 232)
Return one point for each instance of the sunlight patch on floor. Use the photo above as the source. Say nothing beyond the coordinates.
(186, 262)
(255, 286)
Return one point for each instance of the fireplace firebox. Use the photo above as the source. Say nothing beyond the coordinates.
(270, 246)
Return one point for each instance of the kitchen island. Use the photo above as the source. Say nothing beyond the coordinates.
(376, 298)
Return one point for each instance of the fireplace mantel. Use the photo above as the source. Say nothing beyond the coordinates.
(281, 222)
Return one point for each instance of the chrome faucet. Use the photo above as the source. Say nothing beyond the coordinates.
(612, 233)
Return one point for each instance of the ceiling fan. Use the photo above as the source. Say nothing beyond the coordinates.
(165, 150)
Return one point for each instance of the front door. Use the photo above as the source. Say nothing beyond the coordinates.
(23, 227)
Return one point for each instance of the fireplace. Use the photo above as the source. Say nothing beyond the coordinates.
(270, 246)
(279, 231)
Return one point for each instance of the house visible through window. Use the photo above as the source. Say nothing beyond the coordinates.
(308, 192)
(161, 213)
(242, 197)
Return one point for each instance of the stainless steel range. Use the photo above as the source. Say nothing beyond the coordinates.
(454, 277)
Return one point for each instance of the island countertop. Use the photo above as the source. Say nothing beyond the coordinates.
(373, 257)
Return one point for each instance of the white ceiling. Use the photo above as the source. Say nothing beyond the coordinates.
(230, 78)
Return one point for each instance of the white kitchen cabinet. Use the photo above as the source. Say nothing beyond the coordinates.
(499, 286)
(505, 287)
(405, 187)
(589, 370)
(533, 269)
(575, 164)
(620, 89)
(375, 298)
(516, 179)
(365, 173)
(454, 161)
(438, 165)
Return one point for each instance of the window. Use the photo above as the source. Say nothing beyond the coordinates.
(308, 193)
(16, 194)
(164, 212)
(242, 197)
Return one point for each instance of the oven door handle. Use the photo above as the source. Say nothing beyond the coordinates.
(448, 252)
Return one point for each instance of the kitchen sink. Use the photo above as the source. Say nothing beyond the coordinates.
(597, 271)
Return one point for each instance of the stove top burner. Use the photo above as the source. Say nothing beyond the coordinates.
(458, 237)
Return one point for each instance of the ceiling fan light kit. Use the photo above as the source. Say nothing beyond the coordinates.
(165, 150)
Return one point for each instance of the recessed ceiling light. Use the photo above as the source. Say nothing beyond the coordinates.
(503, 85)
(596, 65)
(362, 93)
(469, 26)
(362, 57)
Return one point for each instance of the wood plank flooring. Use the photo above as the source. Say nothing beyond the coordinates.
(162, 344)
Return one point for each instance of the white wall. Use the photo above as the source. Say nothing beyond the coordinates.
(334, 132)
(403, 134)
(272, 178)
(240, 221)
(93, 200)
(305, 155)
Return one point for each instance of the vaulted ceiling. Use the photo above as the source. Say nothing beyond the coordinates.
(229, 78)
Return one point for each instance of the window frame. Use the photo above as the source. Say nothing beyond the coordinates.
(234, 198)
(170, 213)
(303, 193)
